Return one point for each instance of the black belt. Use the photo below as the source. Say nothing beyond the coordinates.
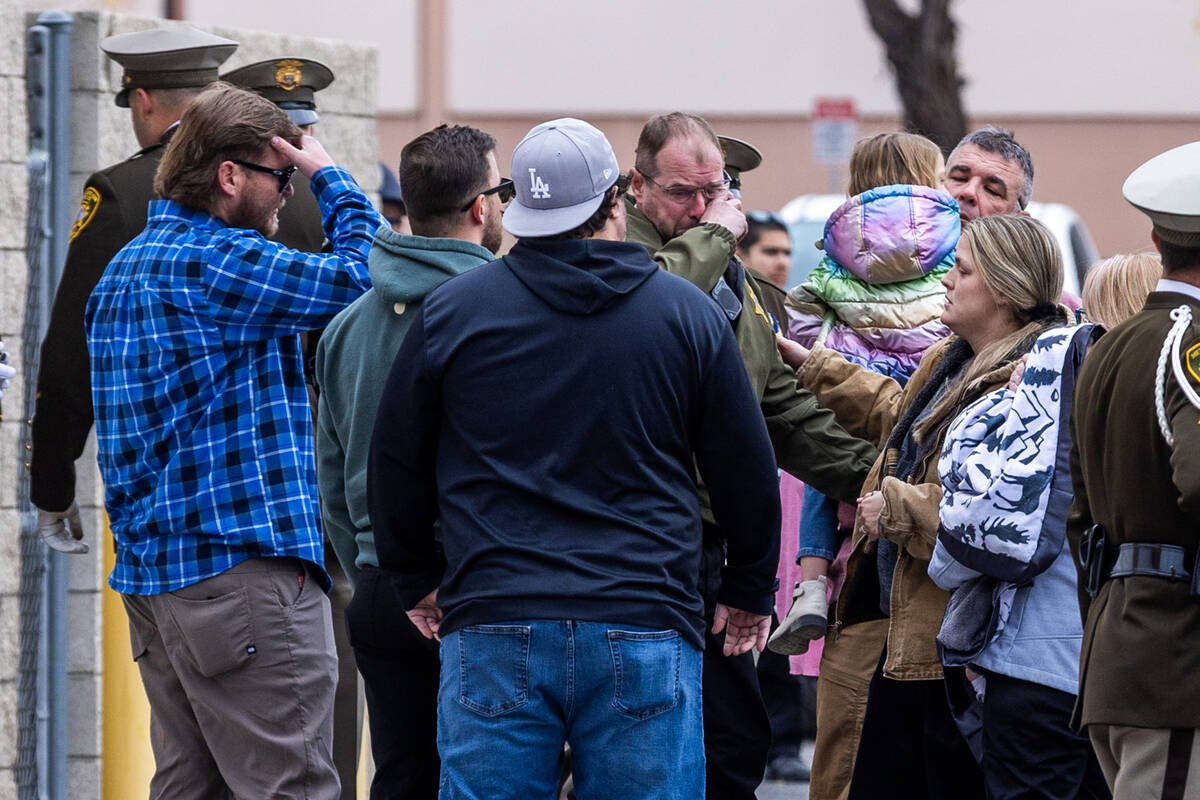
(1147, 559)
(1135, 559)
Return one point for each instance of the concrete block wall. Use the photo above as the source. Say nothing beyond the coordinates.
(13, 273)
(102, 135)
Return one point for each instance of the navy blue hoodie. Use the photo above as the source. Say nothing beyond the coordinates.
(551, 407)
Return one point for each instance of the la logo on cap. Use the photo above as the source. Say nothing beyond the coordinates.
(537, 187)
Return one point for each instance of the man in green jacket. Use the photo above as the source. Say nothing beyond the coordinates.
(454, 194)
(683, 213)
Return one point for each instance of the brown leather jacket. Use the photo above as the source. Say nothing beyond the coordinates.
(869, 405)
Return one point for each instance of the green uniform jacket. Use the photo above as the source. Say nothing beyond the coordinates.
(809, 443)
(1140, 662)
(112, 212)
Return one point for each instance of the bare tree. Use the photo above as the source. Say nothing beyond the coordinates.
(920, 48)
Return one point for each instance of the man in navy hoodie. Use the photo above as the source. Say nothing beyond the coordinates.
(551, 408)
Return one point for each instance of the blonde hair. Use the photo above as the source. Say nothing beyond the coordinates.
(894, 158)
(1115, 289)
(1019, 262)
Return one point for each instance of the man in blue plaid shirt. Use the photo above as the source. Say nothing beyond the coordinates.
(205, 448)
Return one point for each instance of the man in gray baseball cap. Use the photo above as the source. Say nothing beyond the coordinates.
(551, 408)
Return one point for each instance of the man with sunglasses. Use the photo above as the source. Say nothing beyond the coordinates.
(454, 196)
(205, 450)
(683, 213)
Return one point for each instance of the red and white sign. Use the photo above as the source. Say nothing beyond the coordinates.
(834, 129)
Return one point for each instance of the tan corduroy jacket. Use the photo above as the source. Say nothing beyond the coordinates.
(869, 405)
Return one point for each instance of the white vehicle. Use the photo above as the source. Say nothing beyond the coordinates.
(805, 217)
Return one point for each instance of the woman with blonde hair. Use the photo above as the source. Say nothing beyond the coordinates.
(1013, 621)
(1001, 294)
(1115, 288)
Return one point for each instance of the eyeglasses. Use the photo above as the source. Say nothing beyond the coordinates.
(506, 191)
(284, 176)
(686, 194)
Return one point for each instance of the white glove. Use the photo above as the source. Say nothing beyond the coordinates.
(62, 530)
(6, 372)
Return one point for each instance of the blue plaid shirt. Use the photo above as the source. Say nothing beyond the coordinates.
(202, 417)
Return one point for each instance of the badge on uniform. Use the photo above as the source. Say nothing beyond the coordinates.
(1191, 360)
(87, 210)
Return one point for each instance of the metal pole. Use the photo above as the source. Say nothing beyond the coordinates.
(57, 572)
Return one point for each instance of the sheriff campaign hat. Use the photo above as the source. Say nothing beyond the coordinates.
(290, 83)
(561, 170)
(740, 156)
(166, 58)
(1167, 189)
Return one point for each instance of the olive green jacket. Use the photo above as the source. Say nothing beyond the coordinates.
(809, 443)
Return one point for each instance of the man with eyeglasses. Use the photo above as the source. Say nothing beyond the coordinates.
(205, 450)
(454, 196)
(683, 213)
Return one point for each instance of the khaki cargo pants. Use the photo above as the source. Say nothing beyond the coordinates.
(240, 672)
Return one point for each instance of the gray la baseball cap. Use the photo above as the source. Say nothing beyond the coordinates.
(561, 170)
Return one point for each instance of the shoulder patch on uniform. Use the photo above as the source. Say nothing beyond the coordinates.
(87, 210)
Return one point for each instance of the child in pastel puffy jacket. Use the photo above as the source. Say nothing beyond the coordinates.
(876, 297)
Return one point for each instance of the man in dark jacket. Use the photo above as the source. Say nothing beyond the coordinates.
(1135, 521)
(455, 197)
(687, 219)
(550, 408)
(164, 71)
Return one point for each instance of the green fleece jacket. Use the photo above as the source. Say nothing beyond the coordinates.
(354, 358)
(809, 443)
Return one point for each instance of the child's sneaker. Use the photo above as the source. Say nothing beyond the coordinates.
(807, 619)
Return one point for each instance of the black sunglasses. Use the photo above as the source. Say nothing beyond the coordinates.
(284, 176)
(766, 217)
(507, 190)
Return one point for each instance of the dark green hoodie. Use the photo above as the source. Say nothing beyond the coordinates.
(354, 357)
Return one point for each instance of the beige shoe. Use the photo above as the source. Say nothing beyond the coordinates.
(807, 619)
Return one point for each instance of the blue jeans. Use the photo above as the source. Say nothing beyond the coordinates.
(626, 698)
(818, 525)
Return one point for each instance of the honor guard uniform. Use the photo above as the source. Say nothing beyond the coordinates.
(291, 84)
(1135, 523)
(157, 65)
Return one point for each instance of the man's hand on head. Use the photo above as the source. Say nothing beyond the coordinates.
(727, 212)
(309, 157)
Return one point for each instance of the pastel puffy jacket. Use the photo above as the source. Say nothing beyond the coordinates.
(876, 297)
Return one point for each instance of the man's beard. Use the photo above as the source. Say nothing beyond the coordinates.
(256, 217)
(493, 234)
